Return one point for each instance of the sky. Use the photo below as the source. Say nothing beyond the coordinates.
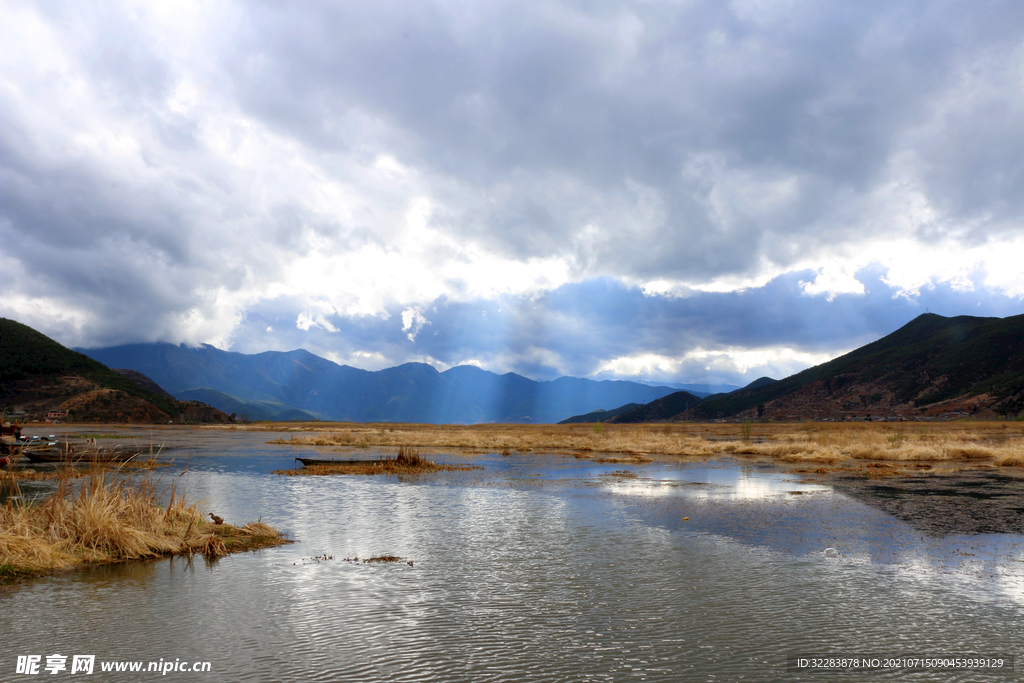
(681, 191)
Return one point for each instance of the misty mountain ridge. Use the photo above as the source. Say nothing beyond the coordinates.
(413, 392)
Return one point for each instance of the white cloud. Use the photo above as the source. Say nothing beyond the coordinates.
(831, 280)
(306, 321)
(413, 321)
(726, 364)
(366, 360)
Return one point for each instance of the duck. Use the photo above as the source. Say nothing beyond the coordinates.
(216, 519)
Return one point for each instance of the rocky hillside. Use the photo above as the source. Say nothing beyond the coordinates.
(930, 367)
(38, 375)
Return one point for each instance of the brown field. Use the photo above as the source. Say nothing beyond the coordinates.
(111, 518)
(993, 443)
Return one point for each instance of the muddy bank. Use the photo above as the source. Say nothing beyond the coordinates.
(964, 502)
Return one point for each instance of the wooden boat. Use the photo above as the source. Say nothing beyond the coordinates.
(9, 450)
(10, 446)
(306, 462)
(70, 454)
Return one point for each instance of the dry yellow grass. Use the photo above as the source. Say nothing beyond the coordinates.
(998, 443)
(11, 475)
(110, 518)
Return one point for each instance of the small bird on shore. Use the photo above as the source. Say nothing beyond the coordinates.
(216, 519)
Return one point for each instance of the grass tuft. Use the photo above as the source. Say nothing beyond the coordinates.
(111, 517)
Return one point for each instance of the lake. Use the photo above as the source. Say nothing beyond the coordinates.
(535, 568)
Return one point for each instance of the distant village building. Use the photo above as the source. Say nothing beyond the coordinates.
(56, 415)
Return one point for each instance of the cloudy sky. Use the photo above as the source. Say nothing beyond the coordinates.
(680, 190)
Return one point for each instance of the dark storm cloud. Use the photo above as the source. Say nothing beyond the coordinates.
(82, 237)
(679, 99)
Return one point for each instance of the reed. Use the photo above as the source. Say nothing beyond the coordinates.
(408, 457)
(746, 430)
(112, 517)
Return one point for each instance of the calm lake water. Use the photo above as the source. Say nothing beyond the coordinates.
(536, 568)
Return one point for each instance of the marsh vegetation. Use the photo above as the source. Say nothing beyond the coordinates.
(995, 443)
(111, 516)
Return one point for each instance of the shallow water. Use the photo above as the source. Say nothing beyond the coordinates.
(535, 568)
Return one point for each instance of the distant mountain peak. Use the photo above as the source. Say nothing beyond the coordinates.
(760, 382)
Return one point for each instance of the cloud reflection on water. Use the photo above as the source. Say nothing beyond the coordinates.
(712, 483)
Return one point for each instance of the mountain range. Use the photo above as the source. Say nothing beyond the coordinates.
(931, 366)
(299, 385)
